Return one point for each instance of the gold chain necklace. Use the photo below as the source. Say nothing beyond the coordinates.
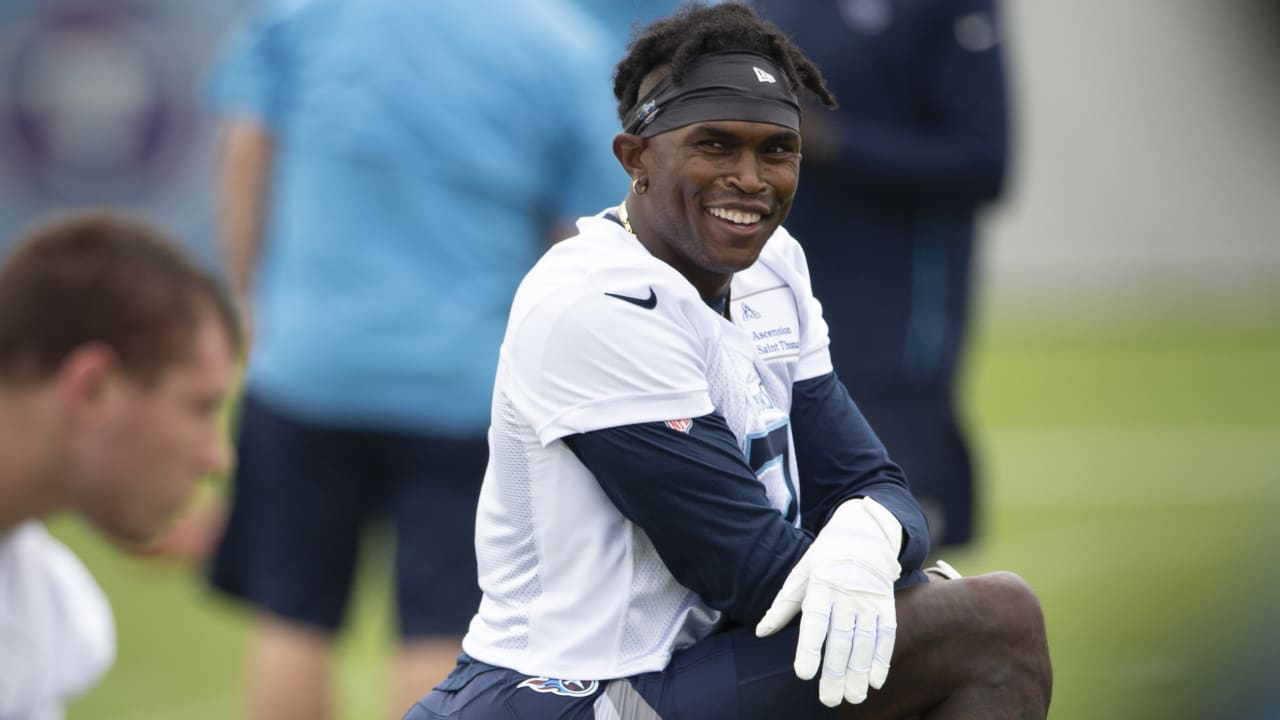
(622, 215)
(626, 224)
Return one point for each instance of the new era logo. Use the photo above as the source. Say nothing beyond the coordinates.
(763, 76)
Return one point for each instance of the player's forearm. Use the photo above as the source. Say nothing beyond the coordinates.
(840, 457)
(244, 174)
(701, 506)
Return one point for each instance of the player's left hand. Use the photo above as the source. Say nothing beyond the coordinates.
(843, 588)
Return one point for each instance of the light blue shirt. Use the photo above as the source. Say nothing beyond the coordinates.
(620, 17)
(423, 149)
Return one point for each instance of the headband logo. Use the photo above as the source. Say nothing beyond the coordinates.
(648, 112)
(715, 87)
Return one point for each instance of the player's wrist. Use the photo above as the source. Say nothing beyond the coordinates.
(865, 517)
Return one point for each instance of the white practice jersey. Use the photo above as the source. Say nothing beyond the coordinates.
(57, 636)
(602, 334)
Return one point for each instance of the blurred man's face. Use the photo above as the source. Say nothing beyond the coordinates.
(156, 441)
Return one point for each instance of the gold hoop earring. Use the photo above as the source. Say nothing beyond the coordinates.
(637, 188)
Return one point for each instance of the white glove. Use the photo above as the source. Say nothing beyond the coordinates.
(843, 588)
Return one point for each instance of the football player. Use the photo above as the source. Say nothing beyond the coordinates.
(684, 513)
(116, 353)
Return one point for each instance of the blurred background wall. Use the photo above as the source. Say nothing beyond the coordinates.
(1148, 159)
(99, 103)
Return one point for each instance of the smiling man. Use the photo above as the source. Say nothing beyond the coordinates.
(676, 473)
(115, 356)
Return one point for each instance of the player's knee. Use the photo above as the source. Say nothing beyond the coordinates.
(1016, 607)
(1020, 647)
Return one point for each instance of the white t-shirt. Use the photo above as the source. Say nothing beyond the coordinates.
(57, 635)
(602, 334)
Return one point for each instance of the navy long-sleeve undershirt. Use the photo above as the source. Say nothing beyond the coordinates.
(707, 514)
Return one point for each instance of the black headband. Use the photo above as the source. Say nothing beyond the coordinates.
(718, 86)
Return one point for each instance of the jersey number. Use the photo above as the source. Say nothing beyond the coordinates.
(769, 456)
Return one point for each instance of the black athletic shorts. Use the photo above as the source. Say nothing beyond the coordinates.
(731, 675)
(303, 496)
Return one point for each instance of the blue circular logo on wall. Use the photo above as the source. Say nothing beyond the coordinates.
(93, 105)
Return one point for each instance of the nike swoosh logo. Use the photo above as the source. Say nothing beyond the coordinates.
(648, 303)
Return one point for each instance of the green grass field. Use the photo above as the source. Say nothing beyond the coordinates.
(1132, 475)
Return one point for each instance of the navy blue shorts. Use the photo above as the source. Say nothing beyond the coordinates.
(303, 496)
(731, 675)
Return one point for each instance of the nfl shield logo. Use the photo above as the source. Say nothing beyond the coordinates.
(680, 425)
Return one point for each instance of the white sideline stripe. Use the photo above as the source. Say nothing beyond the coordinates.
(186, 708)
(604, 709)
(1197, 482)
(620, 701)
(1146, 429)
(1212, 497)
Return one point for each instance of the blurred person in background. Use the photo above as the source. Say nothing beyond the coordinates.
(116, 354)
(620, 17)
(894, 179)
(388, 173)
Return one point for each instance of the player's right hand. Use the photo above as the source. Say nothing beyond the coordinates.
(843, 588)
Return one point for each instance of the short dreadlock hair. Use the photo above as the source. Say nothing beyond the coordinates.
(697, 29)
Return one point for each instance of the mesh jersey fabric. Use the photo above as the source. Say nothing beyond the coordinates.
(571, 588)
